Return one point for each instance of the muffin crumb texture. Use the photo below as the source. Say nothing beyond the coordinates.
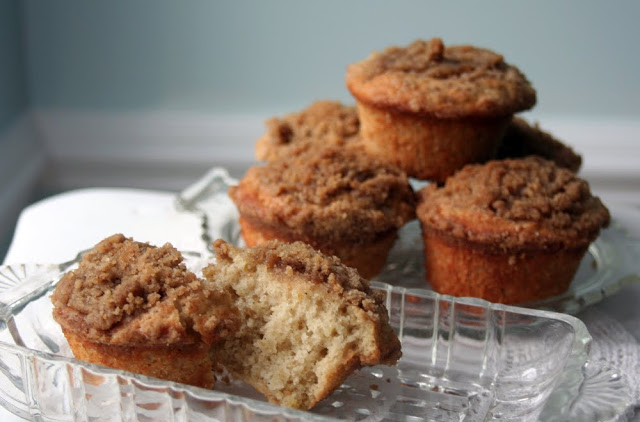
(308, 321)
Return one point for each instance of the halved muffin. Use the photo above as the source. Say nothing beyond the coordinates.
(308, 321)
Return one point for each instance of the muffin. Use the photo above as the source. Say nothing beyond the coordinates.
(136, 307)
(522, 139)
(338, 200)
(431, 109)
(323, 123)
(508, 231)
(308, 321)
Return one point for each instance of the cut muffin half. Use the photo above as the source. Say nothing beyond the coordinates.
(307, 321)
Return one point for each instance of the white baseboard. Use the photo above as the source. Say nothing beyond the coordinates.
(22, 160)
(156, 150)
(168, 150)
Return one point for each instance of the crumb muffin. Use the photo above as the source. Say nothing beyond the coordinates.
(508, 231)
(337, 200)
(308, 321)
(431, 109)
(522, 139)
(136, 307)
(322, 123)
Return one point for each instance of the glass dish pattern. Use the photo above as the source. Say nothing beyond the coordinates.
(609, 265)
(464, 359)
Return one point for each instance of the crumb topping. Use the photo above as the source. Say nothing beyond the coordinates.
(301, 260)
(447, 82)
(522, 140)
(322, 123)
(127, 292)
(515, 203)
(329, 193)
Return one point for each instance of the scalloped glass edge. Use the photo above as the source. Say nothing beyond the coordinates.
(615, 253)
(21, 284)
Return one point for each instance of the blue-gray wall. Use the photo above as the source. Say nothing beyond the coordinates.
(278, 55)
(13, 91)
(13, 105)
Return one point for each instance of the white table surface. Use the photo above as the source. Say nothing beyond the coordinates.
(55, 229)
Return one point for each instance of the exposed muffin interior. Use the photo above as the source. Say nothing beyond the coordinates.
(308, 321)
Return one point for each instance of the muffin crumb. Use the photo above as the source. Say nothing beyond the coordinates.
(308, 321)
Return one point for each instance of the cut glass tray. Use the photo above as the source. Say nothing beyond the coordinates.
(463, 360)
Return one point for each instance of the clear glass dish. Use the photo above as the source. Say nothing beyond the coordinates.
(463, 360)
(610, 263)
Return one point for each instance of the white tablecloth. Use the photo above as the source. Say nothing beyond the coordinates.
(55, 229)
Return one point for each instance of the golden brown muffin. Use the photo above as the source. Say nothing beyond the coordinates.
(509, 231)
(431, 109)
(521, 140)
(339, 201)
(308, 321)
(323, 123)
(136, 307)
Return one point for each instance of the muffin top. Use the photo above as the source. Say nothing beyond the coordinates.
(329, 193)
(130, 293)
(446, 82)
(514, 204)
(521, 140)
(322, 123)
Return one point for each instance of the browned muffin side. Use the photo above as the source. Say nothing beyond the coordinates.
(308, 321)
(431, 109)
(136, 307)
(522, 139)
(323, 123)
(508, 231)
(338, 200)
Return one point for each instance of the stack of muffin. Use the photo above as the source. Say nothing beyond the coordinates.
(505, 218)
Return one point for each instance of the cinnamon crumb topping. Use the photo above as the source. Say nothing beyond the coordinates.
(514, 203)
(127, 292)
(447, 82)
(326, 193)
